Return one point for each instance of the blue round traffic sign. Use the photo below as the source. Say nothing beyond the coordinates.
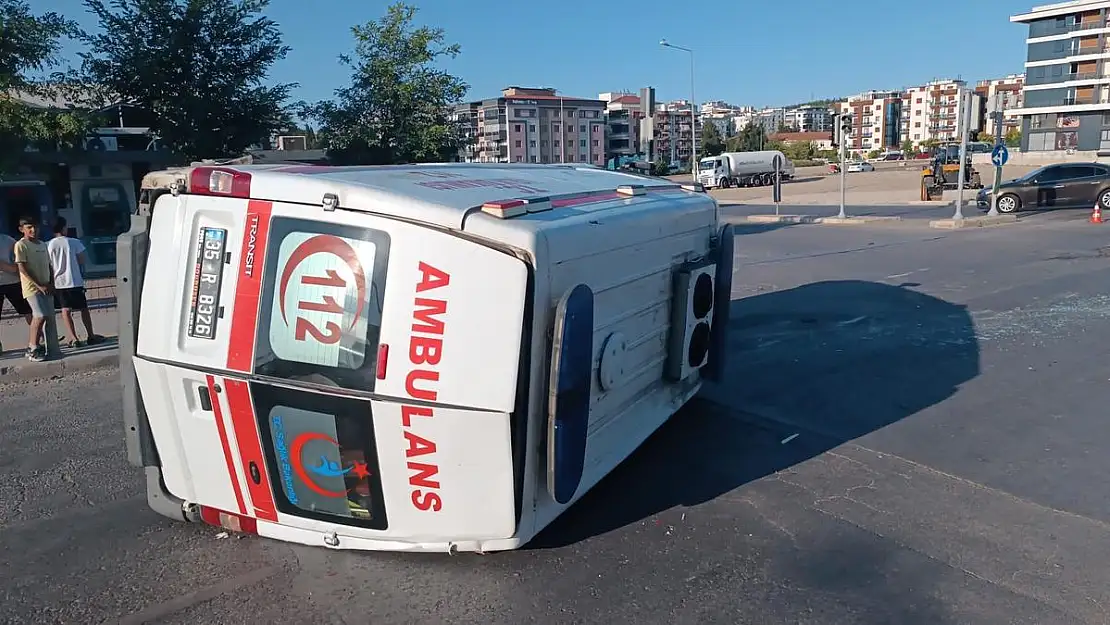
(999, 155)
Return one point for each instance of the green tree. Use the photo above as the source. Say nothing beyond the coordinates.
(29, 48)
(751, 138)
(197, 65)
(873, 154)
(908, 148)
(1012, 138)
(800, 150)
(396, 109)
(711, 140)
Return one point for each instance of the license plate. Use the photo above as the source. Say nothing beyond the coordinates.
(208, 275)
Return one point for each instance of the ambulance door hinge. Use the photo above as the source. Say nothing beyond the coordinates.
(330, 202)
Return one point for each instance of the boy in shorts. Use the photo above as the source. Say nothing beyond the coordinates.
(67, 259)
(10, 288)
(37, 282)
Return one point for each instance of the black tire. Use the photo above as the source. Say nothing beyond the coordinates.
(1008, 203)
(725, 183)
(1104, 200)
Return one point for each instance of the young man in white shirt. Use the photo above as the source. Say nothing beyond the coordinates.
(67, 257)
(10, 288)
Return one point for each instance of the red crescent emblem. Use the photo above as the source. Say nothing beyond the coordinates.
(297, 460)
(330, 244)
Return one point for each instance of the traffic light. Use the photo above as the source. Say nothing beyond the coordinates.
(836, 130)
(845, 126)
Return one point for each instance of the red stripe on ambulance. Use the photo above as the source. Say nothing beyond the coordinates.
(240, 349)
(222, 429)
(425, 352)
(250, 449)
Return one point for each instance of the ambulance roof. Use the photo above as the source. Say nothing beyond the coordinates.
(439, 194)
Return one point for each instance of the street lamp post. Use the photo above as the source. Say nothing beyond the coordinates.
(693, 111)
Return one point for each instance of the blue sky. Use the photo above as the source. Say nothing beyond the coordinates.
(747, 51)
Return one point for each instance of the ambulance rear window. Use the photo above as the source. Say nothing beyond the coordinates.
(322, 297)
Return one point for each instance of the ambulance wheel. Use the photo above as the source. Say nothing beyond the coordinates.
(1010, 203)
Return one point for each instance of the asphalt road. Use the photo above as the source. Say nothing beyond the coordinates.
(915, 214)
(948, 394)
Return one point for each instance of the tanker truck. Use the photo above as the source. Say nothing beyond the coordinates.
(742, 169)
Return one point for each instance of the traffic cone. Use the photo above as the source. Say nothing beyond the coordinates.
(1096, 214)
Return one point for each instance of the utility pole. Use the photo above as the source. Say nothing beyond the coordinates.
(965, 129)
(693, 111)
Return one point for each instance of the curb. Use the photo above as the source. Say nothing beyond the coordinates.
(21, 370)
(973, 222)
(831, 221)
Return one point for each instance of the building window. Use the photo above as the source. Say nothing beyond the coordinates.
(1106, 119)
(1041, 141)
(555, 143)
(531, 128)
(1104, 142)
(543, 143)
(554, 127)
(516, 127)
(557, 158)
(582, 158)
(596, 143)
(519, 159)
(581, 129)
(582, 143)
(531, 144)
(518, 144)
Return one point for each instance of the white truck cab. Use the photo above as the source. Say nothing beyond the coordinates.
(420, 358)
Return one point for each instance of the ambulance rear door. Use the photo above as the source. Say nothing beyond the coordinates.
(312, 369)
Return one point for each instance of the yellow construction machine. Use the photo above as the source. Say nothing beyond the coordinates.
(944, 172)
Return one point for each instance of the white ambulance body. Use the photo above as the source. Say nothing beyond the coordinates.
(421, 358)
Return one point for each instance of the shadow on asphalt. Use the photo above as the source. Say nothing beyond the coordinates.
(756, 228)
(829, 361)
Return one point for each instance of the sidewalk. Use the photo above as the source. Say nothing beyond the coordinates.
(14, 366)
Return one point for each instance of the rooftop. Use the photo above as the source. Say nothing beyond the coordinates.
(1059, 9)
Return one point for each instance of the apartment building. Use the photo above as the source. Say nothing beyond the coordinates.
(808, 119)
(534, 125)
(625, 127)
(1008, 92)
(675, 133)
(724, 116)
(931, 112)
(1066, 94)
(876, 120)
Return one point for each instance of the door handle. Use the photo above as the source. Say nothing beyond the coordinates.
(1059, 186)
(205, 398)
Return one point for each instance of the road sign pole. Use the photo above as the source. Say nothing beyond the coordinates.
(843, 173)
(996, 115)
(777, 189)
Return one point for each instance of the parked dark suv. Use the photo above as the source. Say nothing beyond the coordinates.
(1064, 185)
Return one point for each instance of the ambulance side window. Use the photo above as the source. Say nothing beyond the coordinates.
(321, 303)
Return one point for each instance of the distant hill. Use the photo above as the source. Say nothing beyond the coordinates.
(825, 103)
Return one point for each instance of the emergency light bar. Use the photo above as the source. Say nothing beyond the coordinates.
(220, 181)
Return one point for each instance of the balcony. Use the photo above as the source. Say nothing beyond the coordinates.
(1047, 80)
(1076, 100)
(1089, 26)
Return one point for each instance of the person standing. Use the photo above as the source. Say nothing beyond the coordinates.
(10, 288)
(37, 280)
(67, 259)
